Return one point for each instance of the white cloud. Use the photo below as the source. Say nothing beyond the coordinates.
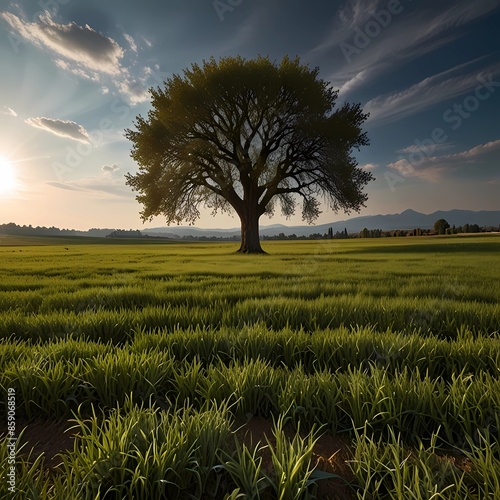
(84, 73)
(480, 150)
(356, 81)
(110, 168)
(85, 53)
(81, 45)
(435, 168)
(431, 148)
(137, 90)
(61, 128)
(369, 166)
(4, 110)
(131, 42)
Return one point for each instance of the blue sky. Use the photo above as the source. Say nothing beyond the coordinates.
(76, 73)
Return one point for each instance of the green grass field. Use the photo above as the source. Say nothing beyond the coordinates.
(171, 358)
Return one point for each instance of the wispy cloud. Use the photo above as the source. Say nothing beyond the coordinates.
(64, 185)
(435, 168)
(351, 14)
(4, 110)
(427, 92)
(131, 42)
(86, 73)
(61, 128)
(356, 81)
(478, 151)
(85, 53)
(413, 148)
(407, 36)
(369, 166)
(105, 184)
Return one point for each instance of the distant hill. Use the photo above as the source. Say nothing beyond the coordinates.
(409, 219)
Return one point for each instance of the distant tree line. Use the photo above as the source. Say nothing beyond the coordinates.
(124, 233)
(330, 235)
(135, 233)
(470, 228)
(188, 237)
(14, 229)
(440, 227)
(379, 233)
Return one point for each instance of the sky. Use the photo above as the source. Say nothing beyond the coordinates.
(76, 73)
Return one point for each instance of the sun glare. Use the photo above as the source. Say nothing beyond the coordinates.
(7, 176)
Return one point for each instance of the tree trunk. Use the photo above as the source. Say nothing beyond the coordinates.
(250, 242)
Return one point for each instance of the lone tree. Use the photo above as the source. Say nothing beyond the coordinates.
(240, 135)
(440, 226)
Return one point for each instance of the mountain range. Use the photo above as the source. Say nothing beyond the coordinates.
(409, 219)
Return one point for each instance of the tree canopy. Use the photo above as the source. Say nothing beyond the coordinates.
(440, 226)
(247, 136)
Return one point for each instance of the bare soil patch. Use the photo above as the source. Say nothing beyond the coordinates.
(44, 436)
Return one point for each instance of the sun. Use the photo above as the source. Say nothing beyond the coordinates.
(7, 176)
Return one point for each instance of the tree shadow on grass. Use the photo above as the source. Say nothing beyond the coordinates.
(452, 247)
